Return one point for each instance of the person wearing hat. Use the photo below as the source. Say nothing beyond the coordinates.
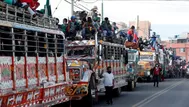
(93, 12)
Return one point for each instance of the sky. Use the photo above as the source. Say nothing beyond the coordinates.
(168, 18)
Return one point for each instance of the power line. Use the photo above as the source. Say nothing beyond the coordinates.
(57, 6)
(84, 7)
(75, 5)
(79, 7)
(91, 2)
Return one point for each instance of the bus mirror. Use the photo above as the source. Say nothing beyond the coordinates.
(100, 50)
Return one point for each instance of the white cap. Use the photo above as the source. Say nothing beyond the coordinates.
(95, 8)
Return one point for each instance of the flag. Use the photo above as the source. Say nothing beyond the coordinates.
(47, 9)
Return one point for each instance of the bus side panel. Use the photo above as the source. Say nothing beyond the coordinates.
(60, 69)
(42, 69)
(31, 71)
(19, 67)
(6, 78)
(51, 69)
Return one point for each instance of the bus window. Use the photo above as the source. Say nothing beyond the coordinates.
(60, 45)
(19, 42)
(6, 41)
(31, 43)
(51, 45)
(42, 44)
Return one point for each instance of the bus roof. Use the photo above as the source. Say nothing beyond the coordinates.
(91, 43)
(29, 27)
(81, 43)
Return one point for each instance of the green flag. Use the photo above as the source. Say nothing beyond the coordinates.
(47, 9)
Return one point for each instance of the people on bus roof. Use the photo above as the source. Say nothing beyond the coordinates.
(93, 13)
(64, 26)
(106, 27)
(88, 27)
(73, 27)
(114, 27)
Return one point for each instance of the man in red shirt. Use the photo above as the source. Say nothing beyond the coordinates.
(30, 5)
(130, 33)
(156, 75)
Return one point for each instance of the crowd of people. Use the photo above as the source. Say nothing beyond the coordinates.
(91, 24)
(86, 27)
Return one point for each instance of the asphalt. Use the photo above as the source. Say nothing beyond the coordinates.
(170, 93)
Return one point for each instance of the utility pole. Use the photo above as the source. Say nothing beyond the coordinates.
(137, 24)
(102, 9)
(72, 7)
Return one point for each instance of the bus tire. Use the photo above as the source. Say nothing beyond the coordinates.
(135, 84)
(130, 86)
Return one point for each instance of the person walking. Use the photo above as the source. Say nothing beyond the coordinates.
(156, 75)
(109, 84)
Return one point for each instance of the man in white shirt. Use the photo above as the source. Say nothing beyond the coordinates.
(109, 84)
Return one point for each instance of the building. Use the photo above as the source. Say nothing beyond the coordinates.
(144, 28)
(180, 46)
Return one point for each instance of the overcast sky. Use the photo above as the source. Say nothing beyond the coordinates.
(164, 16)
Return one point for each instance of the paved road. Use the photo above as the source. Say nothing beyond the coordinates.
(170, 93)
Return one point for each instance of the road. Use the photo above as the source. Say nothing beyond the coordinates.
(170, 93)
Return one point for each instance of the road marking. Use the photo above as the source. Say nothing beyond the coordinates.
(156, 94)
(160, 94)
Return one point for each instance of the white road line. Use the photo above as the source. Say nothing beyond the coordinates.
(159, 94)
(150, 97)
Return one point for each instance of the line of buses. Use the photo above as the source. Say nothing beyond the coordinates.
(38, 67)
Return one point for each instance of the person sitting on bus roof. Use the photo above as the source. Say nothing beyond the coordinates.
(88, 28)
(130, 33)
(106, 27)
(96, 23)
(93, 13)
(73, 27)
(31, 6)
(64, 26)
(114, 26)
(13, 2)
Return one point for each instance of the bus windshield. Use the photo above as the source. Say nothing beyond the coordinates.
(131, 56)
(80, 51)
(146, 57)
